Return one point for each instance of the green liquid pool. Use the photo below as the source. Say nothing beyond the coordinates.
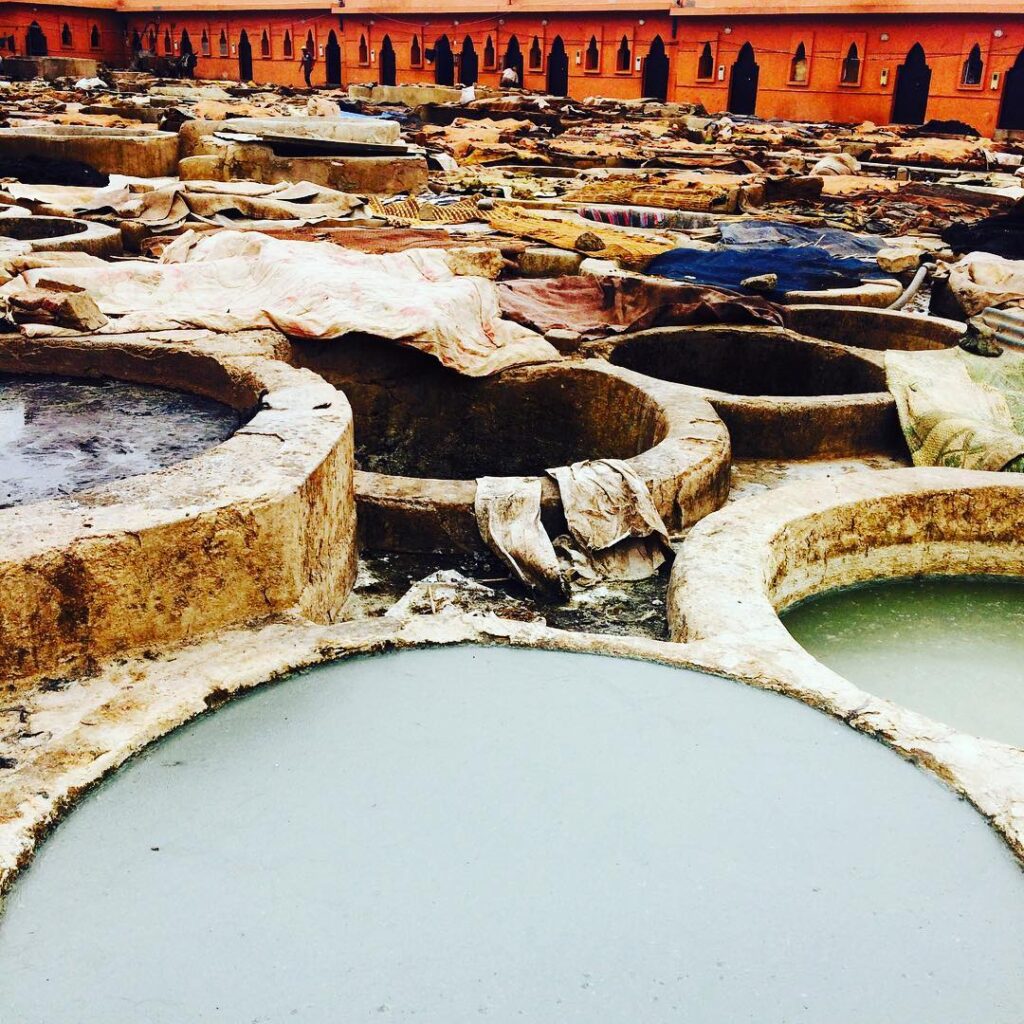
(465, 834)
(951, 648)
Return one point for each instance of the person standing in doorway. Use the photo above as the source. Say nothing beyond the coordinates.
(510, 79)
(306, 62)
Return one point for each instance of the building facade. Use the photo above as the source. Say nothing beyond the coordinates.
(905, 61)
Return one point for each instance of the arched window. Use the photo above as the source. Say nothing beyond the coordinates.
(536, 58)
(65, 34)
(974, 66)
(204, 44)
(287, 45)
(851, 66)
(94, 37)
(593, 55)
(623, 58)
(152, 40)
(706, 62)
(168, 45)
(364, 51)
(415, 53)
(264, 44)
(222, 44)
(798, 65)
(310, 42)
(489, 57)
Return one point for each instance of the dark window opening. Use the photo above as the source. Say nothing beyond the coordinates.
(851, 66)
(974, 67)
(706, 64)
(798, 66)
(623, 57)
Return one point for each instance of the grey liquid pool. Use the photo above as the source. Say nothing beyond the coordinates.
(457, 834)
(59, 435)
(950, 648)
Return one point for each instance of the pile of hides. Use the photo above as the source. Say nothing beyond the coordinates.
(234, 281)
(796, 268)
(484, 141)
(171, 206)
(419, 210)
(981, 280)
(566, 230)
(1001, 234)
(671, 194)
(933, 152)
(615, 531)
(959, 411)
(594, 307)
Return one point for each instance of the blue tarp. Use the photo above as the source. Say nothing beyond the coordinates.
(799, 268)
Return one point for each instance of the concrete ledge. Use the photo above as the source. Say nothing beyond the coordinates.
(364, 175)
(405, 95)
(259, 525)
(193, 134)
(876, 293)
(111, 150)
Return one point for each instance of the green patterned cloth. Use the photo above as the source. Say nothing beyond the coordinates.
(960, 410)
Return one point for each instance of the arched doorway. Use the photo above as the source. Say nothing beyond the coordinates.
(910, 97)
(1011, 109)
(469, 63)
(655, 82)
(185, 45)
(743, 82)
(35, 41)
(444, 62)
(558, 69)
(387, 62)
(514, 57)
(136, 42)
(332, 60)
(244, 58)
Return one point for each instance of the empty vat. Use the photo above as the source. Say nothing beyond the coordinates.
(461, 833)
(950, 648)
(781, 395)
(425, 434)
(877, 329)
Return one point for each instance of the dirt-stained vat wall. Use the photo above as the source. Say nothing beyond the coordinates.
(424, 435)
(261, 524)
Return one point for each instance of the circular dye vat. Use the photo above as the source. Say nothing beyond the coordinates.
(878, 329)
(462, 833)
(59, 435)
(415, 418)
(748, 361)
(948, 647)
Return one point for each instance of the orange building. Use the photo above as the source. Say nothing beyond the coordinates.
(904, 60)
